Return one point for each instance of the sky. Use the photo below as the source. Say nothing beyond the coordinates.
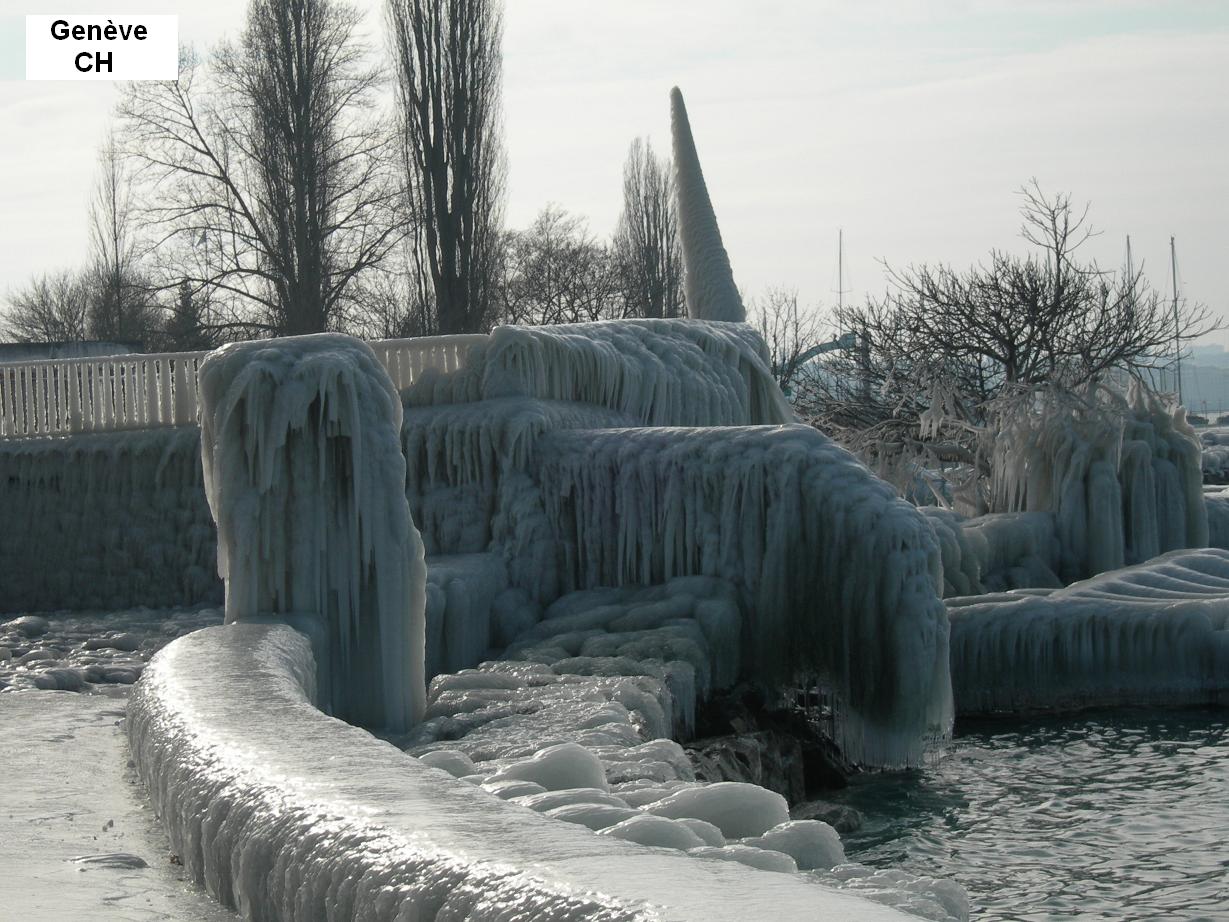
(904, 125)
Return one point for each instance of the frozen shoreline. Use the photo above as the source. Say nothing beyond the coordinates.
(69, 793)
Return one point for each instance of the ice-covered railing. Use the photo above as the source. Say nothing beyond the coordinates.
(840, 576)
(67, 396)
(286, 814)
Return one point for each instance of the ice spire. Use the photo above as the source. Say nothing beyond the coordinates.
(301, 450)
(709, 282)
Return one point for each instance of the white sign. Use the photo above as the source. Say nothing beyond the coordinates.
(124, 47)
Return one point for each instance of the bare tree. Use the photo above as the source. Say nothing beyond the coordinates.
(270, 175)
(790, 334)
(448, 62)
(646, 240)
(944, 351)
(52, 308)
(122, 306)
(557, 272)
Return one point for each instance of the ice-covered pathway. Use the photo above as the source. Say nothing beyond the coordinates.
(78, 839)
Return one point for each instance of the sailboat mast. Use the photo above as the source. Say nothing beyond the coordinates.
(1173, 265)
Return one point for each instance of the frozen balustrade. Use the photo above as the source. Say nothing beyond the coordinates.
(839, 577)
(125, 392)
(1155, 633)
(301, 449)
(284, 813)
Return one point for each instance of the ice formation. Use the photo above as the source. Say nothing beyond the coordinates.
(1155, 633)
(995, 552)
(657, 372)
(839, 576)
(1121, 476)
(105, 520)
(708, 282)
(300, 441)
(265, 814)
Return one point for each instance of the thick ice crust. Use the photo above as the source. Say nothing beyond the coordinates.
(1156, 633)
(287, 814)
(840, 576)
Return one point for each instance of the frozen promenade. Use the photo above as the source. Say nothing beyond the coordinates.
(78, 839)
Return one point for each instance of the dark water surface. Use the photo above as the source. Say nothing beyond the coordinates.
(1115, 815)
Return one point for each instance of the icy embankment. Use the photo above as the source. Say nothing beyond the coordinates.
(105, 521)
(839, 575)
(286, 813)
(575, 724)
(1155, 633)
(301, 449)
(657, 372)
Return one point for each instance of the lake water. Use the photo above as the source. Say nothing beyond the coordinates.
(1121, 815)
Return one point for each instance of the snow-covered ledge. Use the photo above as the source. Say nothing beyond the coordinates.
(283, 812)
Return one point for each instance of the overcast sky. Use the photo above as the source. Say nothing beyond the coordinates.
(909, 124)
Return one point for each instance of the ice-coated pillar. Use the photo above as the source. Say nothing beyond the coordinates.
(708, 281)
(300, 440)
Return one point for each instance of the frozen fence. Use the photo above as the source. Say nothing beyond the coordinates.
(67, 396)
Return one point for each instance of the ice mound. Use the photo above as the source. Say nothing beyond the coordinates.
(738, 810)
(556, 768)
(761, 858)
(838, 577)
(1155, 633)
(811, 843)
(301, 447)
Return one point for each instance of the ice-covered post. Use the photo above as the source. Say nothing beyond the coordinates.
(300, 439)
(708, 280)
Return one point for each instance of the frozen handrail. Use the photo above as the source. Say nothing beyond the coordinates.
(66, 396)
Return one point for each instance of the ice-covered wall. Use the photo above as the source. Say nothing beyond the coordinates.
(105, 521)
(708, 280)
(839, 577)
(658, 372)
(1121, 476)
(286, 814)
(1155, 633)
(301, 449)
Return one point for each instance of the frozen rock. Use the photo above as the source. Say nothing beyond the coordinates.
(760, 858)
(706, 831)
(738, 810)
(508, 789)
(29, 625)
(594, 816)
(810, 843)
(549, 800)
(567, 765)
(456, 763)
(647, 829)
(127, 642)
